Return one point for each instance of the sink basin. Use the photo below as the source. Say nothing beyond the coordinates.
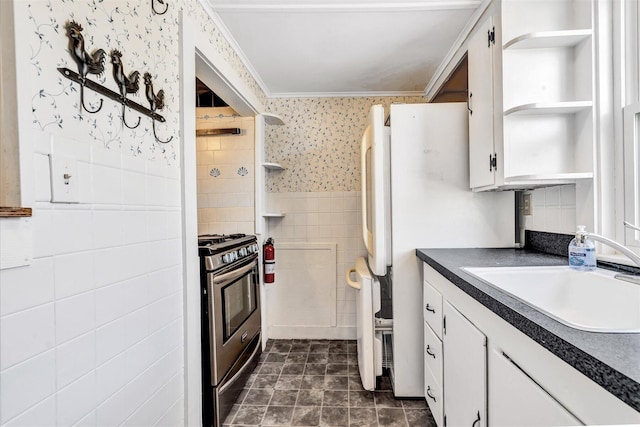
(591, 301)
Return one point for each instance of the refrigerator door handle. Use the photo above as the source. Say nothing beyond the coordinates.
(354, 285)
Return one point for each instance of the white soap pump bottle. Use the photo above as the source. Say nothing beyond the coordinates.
(582, 251)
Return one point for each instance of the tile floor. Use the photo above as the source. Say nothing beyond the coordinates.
(316, 383)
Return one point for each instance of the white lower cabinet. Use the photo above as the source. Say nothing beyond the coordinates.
(465, 370)
(482, 372)
(517, 400)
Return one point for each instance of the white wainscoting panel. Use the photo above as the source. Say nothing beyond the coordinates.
(302, 301)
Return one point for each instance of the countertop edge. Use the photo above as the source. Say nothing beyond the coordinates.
(624, 388)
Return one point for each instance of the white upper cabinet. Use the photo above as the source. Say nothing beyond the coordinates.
(540, 92)
(480, 106)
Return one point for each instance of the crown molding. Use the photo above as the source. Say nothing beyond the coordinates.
(455, 54)
(234, 45)
(343, 94)
(410, 6)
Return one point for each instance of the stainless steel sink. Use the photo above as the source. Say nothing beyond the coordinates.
(591, 301)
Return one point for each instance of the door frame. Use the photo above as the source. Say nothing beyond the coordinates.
(198, 57)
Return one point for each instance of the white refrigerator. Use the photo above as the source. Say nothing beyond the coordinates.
(415, 194)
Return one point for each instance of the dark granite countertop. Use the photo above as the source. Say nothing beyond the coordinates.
(612, 360)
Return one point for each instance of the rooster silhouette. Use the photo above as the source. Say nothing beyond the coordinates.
(126, 84)
(156, 101)
(87, 63)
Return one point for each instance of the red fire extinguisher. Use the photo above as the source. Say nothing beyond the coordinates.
(269, 255)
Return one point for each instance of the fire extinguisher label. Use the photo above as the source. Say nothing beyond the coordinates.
(269, 267)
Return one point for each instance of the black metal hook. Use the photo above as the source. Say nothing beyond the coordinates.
(82, 101)
(124, 120)
(156, 136)
(153, 7)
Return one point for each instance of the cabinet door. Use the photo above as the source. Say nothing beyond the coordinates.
(465, 371)
(481, 137)
(517, 400)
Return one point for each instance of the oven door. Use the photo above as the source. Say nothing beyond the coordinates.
(234, 314)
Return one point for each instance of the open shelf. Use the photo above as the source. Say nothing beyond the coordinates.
(538, 108)
(548, 39)
(273, 166)
(274, 215)
(272, 119)
(555, 178)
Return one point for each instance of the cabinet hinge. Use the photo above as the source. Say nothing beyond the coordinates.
(491, 36)
(493, 162)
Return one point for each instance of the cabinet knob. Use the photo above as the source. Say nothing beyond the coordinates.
(426, 307)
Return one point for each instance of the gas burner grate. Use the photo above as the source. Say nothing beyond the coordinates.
(214, 239)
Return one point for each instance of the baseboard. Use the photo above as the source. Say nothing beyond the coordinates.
(312, 332)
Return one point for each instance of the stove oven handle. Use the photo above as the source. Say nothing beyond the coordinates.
(232, 275)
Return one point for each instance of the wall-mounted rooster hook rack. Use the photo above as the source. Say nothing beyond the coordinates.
(94, 64)
(153, 7)
(88, 63)
(126, 84)
(156, 102)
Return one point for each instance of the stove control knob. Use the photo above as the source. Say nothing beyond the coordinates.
(226, 258)
(255, 248)
(234, 255)
(243, 252)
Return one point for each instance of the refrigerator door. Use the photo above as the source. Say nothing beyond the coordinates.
(367, 304)
(375, 191)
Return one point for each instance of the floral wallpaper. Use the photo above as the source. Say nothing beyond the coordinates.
(148, 42)
(319, 144)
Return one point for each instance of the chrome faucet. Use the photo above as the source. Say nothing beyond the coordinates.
(623, 249)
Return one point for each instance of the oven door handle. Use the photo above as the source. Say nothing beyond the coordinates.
(232, 275)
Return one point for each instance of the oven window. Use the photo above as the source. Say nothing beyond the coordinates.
(238, 302)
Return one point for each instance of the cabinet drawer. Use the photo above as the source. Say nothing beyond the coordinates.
(433, 395)
(433, 353)
(432, 308)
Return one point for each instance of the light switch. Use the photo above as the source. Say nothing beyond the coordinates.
(64, 179)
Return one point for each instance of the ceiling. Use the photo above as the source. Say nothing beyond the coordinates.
(333, 48)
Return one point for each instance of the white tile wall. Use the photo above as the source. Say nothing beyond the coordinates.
(91, 331)
(323, 217)
(553, 210)
(225, 196)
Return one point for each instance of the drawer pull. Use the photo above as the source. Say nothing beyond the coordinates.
(430, 353)
(429, 393)
(426, 307)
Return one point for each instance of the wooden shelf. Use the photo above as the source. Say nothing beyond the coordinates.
(548, 39)
(8, 212)
(273, 166)
(539, 108)
(272, 119)
(274, 215)
(218, 132)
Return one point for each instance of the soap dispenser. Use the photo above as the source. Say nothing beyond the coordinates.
(582, 251)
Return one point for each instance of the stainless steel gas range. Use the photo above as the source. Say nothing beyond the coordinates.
(230, 312)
